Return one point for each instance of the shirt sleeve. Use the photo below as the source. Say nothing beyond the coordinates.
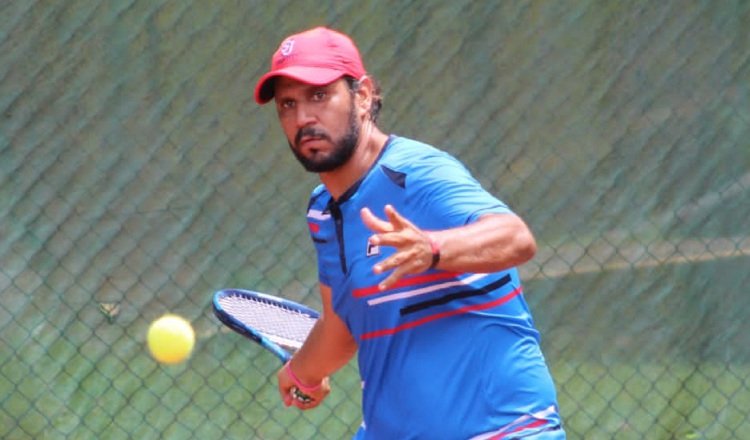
(447, 195)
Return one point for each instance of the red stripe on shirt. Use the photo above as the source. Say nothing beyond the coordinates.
(435, 317)
(533, 424)
(405, 282)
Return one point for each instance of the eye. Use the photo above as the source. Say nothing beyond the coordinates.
(319, 95)
(286, 104)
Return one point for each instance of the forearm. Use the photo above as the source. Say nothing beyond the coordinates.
(329, 346)
(494, 242)
(322, 354)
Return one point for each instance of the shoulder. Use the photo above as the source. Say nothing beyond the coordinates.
(414, 158)
(318, 191)
(318, 197)
(403, 151)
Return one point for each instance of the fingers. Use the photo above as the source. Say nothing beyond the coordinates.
(391, 232)
(373, 223)
(412, 260)
(413, 252)
(302, 401)
(285, 391)
(398, 221)
(292, 396)
(391, 279)
(395, 221)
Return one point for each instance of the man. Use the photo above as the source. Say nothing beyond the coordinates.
(416, 264)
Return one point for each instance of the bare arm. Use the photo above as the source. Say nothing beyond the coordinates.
(328, 348)
(494, 242)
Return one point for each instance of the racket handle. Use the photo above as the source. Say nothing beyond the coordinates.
(300, 396)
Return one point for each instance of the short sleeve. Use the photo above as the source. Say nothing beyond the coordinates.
(448, 195)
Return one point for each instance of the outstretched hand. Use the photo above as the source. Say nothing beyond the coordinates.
(413, 245)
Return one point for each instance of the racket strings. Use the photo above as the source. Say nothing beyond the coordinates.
(282, 325)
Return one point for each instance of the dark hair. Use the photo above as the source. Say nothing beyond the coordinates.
(377, 99)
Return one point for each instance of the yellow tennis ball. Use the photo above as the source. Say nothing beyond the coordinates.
(170, 339)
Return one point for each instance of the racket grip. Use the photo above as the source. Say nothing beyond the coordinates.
(300, 396)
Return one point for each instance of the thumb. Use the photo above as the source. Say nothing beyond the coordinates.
(287, 398)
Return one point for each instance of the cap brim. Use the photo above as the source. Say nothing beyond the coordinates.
(316, 76)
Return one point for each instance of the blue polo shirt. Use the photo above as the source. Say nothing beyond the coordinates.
(442, 355)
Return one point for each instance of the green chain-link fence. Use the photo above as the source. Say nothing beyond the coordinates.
(137, 176)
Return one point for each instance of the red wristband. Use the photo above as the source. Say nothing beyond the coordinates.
(298, 383)
(435, 251)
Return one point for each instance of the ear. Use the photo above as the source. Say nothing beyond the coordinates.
(364, 95)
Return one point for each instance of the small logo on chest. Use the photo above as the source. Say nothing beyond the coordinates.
(372, 249)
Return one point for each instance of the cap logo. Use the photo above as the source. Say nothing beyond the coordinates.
(287, 47)
(315, 56)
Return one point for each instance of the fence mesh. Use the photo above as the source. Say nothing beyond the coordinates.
(137, 176)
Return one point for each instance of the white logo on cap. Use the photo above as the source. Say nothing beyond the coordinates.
(286, 47)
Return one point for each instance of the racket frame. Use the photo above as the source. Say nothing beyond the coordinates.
(238, 326)
(255, 335)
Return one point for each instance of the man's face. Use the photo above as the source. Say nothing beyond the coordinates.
(320, 122)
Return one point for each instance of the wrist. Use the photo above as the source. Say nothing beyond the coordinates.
(305, 388)
(435, 248)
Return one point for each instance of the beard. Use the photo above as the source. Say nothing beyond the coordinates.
(341, 153)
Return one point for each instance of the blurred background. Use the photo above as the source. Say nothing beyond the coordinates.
(138, 176)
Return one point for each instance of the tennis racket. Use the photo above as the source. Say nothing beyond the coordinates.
(278, 325)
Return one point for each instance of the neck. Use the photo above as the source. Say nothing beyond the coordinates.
(370, 144)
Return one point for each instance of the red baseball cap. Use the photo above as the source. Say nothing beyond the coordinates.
(317, 56)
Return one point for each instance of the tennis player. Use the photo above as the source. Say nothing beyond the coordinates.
(416, 264)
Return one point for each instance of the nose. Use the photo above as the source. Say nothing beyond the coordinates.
(304, 115)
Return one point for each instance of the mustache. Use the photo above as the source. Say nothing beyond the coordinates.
(312, 132)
